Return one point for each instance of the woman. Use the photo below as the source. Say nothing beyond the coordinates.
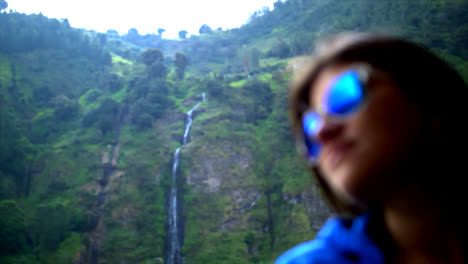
(378, 119)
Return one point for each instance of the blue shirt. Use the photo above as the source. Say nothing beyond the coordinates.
(339, 241)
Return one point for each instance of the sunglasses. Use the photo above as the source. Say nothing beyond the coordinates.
(344, 96)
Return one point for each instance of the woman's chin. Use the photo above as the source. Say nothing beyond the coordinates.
(338, 172)
(347, 183)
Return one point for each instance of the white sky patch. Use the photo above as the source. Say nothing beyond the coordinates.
(145, 15)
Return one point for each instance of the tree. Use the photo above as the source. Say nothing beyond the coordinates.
(114, 83)
(144, 121)
(157, 70)
(133, 32)
(161, 31)
(280, 49)
(66, 23)
(180, 62)
(205, 29)
(65, 109)
(102, 39)
(105, 116)
(151, 56)
(250, 59)
(112, 33)
(216, 88)
(50, 225)
(3, 5)
(262, 96)
(183, 34)
(255, 55)
(12, 228)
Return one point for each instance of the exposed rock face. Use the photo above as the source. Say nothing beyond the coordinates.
(168, 119)
(317, 209)
(224, 171)
(217, 165)
(107, 182)
(192, 101)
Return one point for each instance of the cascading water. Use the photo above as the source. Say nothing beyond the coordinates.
(173, 234)
(174, 256)
(189, 123)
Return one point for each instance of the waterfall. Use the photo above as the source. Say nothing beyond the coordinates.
(173, 234)
(174, 244)
(189, 123)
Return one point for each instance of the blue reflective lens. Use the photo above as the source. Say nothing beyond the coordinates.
(344, 95)
(311, 124)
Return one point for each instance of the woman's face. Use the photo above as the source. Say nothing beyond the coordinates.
(361, 154)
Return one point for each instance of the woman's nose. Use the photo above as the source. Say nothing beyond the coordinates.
(329, 129)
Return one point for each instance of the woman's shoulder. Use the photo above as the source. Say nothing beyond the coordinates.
(341, 240)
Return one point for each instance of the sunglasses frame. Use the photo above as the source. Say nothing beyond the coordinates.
(364, 72)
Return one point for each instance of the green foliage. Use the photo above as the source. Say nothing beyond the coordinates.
(6, 75)
(51, 223)
(120, 245)
(105, 116)
(136, 224)
(294, 229)
(205, 29)
(3, 5)
(180, 62)
(89, 98)
(144, 121)
(161, 31)
(216, 88)
(151, 98)
(183, 34)
(69, 250)
(12, 228)
(42, 126)
(120, 95)
(114, 83)
(15, 153)
(116, 59)
(154, 61)
(151, 56)
(260, 99)
(65, 109)
(20, 32)
(281, 50)
(20, 259)
(157, 70)
(222, 247)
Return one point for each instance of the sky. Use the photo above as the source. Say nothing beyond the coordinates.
(145, 15)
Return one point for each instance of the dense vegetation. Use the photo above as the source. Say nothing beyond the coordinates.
(89, 123)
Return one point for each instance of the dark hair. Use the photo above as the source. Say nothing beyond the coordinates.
(425, 80)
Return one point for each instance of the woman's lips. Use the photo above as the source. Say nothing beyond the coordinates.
(334, 154)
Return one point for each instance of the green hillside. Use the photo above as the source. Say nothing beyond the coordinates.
(89, 123)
